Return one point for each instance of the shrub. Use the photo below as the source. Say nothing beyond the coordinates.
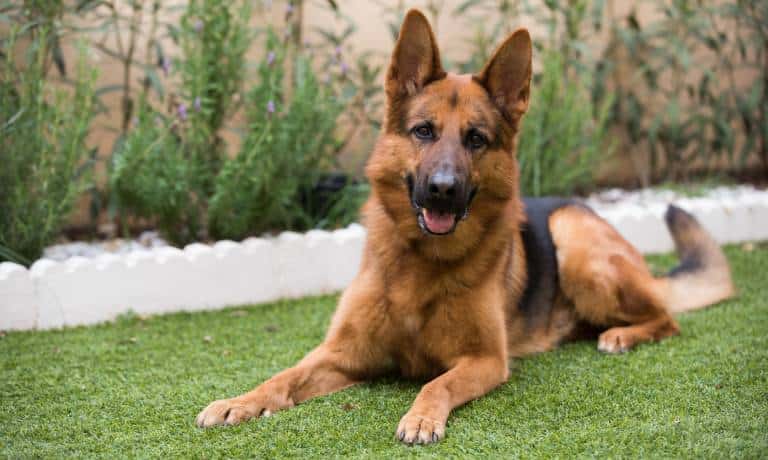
(688, 81)
(43, 152)
(154, 176)
(214, 38)
(696, 89)
(562, 135)
(284, 152)
(165, 167)
(172, 170)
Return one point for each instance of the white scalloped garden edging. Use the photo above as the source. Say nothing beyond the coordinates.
(730, 216)
(90, 290)
(199, 277)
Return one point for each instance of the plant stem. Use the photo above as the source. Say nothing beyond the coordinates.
(127, 102)
(150, 42)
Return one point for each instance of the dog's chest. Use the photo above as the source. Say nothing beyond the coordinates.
(411, 324)
(414, 358)
(423, 340)
(431, 318)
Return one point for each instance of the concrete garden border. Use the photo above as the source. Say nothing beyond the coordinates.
(90, 290)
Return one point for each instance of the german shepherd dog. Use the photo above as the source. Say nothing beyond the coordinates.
(459, 274)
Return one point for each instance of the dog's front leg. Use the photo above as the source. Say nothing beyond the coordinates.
(346, 357)
(320, 372)
(470, 378)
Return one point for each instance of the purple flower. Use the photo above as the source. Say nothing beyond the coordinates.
(344, 68)
(198, 25)
(271, 107)
(337, 50)
(182, 111)
(270, 58)
(289, 8)
(166, 65)
(197, 104)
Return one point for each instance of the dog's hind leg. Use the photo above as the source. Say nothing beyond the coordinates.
(608, 281)
(640, 306)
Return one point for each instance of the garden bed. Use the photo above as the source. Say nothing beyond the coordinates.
(87, 290)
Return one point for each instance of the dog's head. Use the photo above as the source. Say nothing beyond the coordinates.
(449, 140)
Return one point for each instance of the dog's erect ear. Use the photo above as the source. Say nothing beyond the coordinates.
(507, 75)
(416, 59)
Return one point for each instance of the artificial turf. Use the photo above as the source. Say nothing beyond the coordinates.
(133, 388)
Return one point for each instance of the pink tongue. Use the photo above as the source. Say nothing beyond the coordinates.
(438, 222)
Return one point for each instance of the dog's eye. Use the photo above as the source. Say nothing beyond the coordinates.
(476, 140)
(423, 132)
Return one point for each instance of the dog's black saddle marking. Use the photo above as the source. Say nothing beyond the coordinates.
(541, 289)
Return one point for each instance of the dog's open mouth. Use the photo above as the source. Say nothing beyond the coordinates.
(436, 218)
(437, 222)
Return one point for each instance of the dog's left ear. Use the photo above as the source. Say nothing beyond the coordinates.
(507, 75)
(416, 59)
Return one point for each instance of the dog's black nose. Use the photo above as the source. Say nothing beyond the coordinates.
(442, 185)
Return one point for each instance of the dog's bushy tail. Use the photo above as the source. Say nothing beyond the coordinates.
(703, 276)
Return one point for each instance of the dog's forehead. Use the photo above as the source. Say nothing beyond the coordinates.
(453, 95)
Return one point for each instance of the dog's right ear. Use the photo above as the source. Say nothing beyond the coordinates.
(416, 59)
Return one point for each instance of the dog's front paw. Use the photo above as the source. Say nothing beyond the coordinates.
(415, 429)
(227, 412)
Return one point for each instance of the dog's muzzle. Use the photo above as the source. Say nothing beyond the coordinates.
(440, 202)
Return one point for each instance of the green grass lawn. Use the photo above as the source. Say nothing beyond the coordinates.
(133, 389)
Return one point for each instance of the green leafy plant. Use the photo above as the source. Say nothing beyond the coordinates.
(214, 37)
(172, 169)
(689, 81)
(284, 152)
(43, 153)
(682, 94)
(154, 177)
(165, 167)
(563, 134)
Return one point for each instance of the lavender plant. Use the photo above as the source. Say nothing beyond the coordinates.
(286, 148)
(164, 169)
(43, 153)
(563, 134)
(154, 177)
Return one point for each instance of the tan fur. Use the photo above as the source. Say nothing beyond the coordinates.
(707, 283)
(608, 281)
(445, 308)
(694, 291)
(610, 285)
